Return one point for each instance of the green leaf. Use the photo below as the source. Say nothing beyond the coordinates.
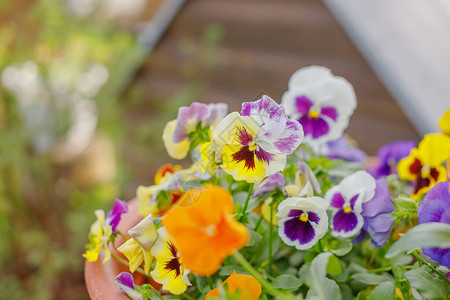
(422, 236)
(341, 247)
(242, 196)
(321, 287)
(384, 291)
(255, 238)
(428, 286)
(334, 266)
(371, 279)
(286, 281)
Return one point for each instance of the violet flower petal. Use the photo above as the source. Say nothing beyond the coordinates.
(113, 217)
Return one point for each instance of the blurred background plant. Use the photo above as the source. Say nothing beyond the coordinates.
(73, 136)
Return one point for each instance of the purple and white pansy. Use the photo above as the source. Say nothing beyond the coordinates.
(346, 200)
(255, 143)
(176, 134)
(189, 116)
(302, 221)
(125, 282)
(321, 102)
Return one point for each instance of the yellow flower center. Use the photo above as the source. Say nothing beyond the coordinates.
(347, 209)
(252, 146)
(314, 114)
(304, 217)
(425, 171)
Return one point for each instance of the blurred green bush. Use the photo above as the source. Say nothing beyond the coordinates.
(58, 138)
(64, 134)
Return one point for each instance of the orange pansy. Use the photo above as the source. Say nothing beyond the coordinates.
(249, 287)
(204, 230)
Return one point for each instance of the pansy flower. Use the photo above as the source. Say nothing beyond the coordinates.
(341, 148)
(346, 200)
(137, 249)
(270, 184)
(147, 194)
(171, 183)
(169, 269)
(389, 156)
(125, 282)
(180, 133)
(377, 214)
(102, 229)
(435, 207)
(254, 144)
(321, 102)
(164, 173)
(423, 166)
(206, 217)
(305, 182)
(444, 122)
(302, 221)
(247, 287)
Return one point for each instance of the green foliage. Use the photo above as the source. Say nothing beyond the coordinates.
(422, 236)
(384, 291)
(286, 281)
(427, 285)
(321, 287)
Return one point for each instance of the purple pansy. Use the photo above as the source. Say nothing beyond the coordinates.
(113, 217)
(388, 157)
(269, 184)
(321, 102)
(377, 213)
(435, 207)
(189, 116)
(125, 281)
(346, 200)
(341, 149)
(302, 221)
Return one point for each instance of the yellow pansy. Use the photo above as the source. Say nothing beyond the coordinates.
(99, 235)
(423, 166)
(169, 269)
(137, 249)
(146, 204)
(175, 150)
(444, 123)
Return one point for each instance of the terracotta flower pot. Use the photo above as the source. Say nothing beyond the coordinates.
(99, 277)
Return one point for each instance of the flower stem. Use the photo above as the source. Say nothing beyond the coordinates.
(230, 184)
(385, 269)
(266, 285)
(270, 239)
(258, 223)
(244, 211)
(140, 270)
(423, 261)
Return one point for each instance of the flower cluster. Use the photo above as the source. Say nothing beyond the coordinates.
(277, 202)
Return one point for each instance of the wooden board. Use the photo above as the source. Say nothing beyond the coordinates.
(408, 45)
